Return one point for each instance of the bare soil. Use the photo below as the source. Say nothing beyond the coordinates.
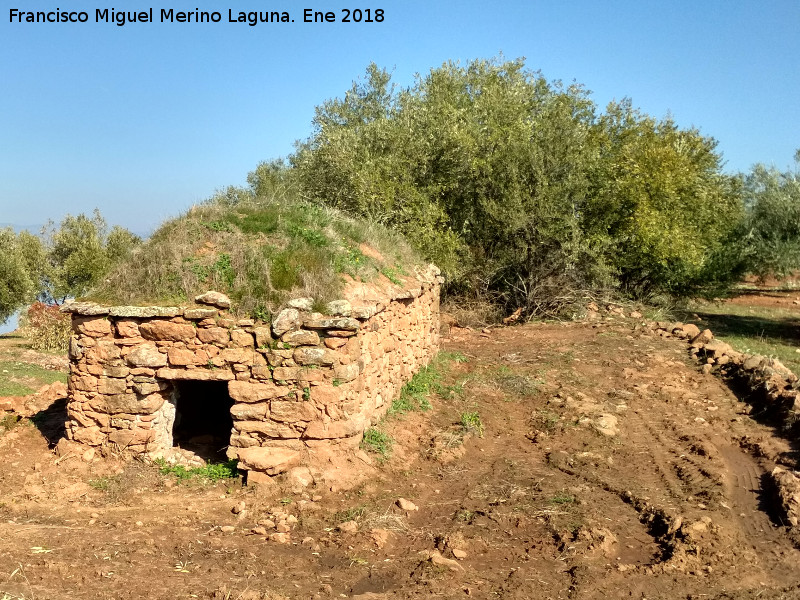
(609, 466)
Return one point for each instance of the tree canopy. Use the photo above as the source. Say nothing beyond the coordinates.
(520, 187)
(65, 261)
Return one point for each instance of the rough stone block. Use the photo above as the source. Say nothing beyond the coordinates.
(94, 327)
(214, 298)
(130, 403)
(242, 356)
(301, 337)
(267, 428)
(250, 412)
(289, 411)
(106, 385)
(245, 391)
(286, 320)
(146, 355)
(214, 335)
(242, 338)
(128, 437)
(271, 461)
(317, 321)
(127, 328)
(308, 355)
(196, 374)
(167, 331)
(335, 429)
(200, 313)
(180, 357)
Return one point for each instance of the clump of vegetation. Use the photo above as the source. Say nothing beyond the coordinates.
(520, 189)
(771, 229)
(46, 327)
(210, 472)
(65, 261)
(562, 498)
(517, 384)
(414, 395)
(378, 442)
(9, 421)
(471, 423)
(260, 250)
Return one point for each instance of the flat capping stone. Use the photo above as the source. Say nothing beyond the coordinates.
(145, 311)
(93, 309)
(85, 308)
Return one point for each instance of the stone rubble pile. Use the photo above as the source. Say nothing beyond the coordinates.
(768, 382)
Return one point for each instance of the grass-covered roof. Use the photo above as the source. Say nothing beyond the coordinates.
(260, 252)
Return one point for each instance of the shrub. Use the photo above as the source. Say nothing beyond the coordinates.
(771, 231)
(377, 442)
(518, 190)
(47, 328)
(261, 251)
(471, 423)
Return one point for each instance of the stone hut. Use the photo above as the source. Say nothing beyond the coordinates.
(186, 382)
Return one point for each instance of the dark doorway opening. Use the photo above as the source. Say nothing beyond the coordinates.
(203, 419)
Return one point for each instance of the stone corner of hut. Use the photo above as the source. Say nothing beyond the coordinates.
(194, 383)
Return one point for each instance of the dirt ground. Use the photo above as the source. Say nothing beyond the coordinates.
(603, 464)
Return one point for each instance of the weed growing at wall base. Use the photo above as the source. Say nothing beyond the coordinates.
(214, 472)
(377, 442)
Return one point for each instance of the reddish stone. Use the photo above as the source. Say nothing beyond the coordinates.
(127, 328)
(167, 331)
(242, 391)
(95, 327)
(181, 357)
(214, 335)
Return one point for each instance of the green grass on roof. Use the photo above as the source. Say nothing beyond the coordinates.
(261, 252)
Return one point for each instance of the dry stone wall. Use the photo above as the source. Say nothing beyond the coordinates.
(302, 386)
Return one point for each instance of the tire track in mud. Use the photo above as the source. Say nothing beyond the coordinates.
(715, 475)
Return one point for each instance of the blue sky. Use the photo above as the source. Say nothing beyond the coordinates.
(144, 120)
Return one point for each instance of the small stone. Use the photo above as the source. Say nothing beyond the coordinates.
(283, 527)
(348, 527)
(139, 523)
(238, 507)
(406, 504)
(459, 553)
(380, 537)
(292, 520)
(88, 455)
(301, 303)
(307, 541)
(436, 558)
(606, 424)
(280, 538)
(214, 298)
(268, 523)
(286, 320)
(200, 313)
(339, 308)
(227, 529)
(259, 530)
(703, 337)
